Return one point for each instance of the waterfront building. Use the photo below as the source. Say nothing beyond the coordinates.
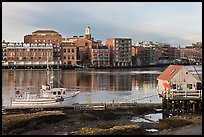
(145, 53)
(157, 52)
(69, 54)
(138, 55)
(194, 54)
(83, 46)
(120, 51)
(57, 55)
(43, 36)
(100, 56)
(27, 55)
(177, 78)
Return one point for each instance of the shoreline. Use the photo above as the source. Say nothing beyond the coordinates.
(58, 67)
(72, 122)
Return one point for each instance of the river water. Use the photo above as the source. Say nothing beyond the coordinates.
(96, 86)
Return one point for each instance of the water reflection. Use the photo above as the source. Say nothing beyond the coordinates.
(95, 85)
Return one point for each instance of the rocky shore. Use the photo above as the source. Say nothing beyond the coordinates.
(93, 122)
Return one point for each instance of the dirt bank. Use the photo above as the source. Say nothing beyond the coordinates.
(80, 122)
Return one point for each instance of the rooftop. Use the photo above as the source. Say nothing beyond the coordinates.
(169, 72)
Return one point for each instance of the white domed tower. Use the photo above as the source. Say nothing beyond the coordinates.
(88, 33)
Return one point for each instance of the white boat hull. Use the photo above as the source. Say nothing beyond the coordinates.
(38, 102)
(68, 101)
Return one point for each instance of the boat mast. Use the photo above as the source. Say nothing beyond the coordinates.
(49, 82)
(47, 70)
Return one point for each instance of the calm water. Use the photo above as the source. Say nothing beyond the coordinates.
(124, 85)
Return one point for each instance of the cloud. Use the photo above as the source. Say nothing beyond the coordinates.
(171, 22)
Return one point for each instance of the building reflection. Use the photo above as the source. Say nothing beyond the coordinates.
(84, 80)
(144, 82)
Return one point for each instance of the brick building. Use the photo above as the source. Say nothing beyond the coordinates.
(100, 56)
(27, 55)
(120, 51)
(83, 46)
(43, 36)
(69, 54)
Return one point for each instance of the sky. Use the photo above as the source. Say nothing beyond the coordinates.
(175, 23)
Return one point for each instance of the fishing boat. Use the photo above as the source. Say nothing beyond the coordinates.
(49, 95)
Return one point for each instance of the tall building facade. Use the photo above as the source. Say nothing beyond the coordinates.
(120, 51)
(100, 56)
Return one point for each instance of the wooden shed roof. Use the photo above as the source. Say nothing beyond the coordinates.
(169, 72)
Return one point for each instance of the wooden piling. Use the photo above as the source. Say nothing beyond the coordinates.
(193, 107)
(173, 107)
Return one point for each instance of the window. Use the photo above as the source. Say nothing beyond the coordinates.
(68, 50)
(199, 86)
(190, 86)
(72, 50)
(179, 87)
(64, 50)
(174, 86)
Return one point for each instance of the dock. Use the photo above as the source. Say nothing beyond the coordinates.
(82, 107)
(182, 102)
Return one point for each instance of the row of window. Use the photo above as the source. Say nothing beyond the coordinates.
(68, 50)
(101, 58)
(46, 40)
(28, 49)
(101, 63)
(180, 86)
(122, 41)
(101, 55)
(68, 57)
(27, 58)
(26, 54)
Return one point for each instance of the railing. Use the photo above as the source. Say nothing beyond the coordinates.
(186, 94)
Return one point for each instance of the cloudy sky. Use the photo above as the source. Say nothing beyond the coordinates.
(176, 23)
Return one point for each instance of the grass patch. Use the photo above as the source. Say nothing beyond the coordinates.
(87, 117)
(115, 130)
(169, 123)
(29, 121)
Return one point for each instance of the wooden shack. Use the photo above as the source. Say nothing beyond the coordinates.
(180, 90)
(177, 80)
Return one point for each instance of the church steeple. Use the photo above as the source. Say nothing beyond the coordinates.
(88, 32)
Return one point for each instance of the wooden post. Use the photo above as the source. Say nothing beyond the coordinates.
(105, 105)
(193, 107)
(183, 107)
(173, 107)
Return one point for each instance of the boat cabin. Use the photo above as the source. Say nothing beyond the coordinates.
(48, 91)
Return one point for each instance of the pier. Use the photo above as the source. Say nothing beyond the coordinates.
(82, 107)
(182, 102)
